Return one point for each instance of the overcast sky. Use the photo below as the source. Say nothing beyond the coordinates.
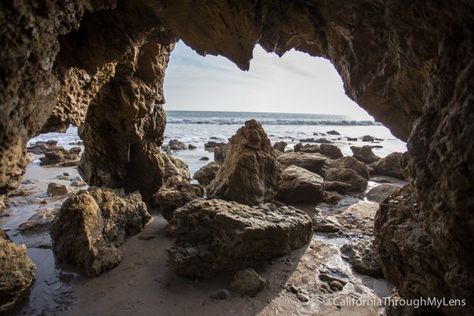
(295, 83)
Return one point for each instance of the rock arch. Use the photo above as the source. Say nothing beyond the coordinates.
(408, 63)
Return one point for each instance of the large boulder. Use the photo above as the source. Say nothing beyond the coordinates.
(299, 185)
(351, 163)
(17, 272)
(175, 193)
(364, 154)
(92, 224)
(214, 236)
(390, 166)
(250, 173)
(207, 173)
(331, 151)
(313, 162)
(344, 180)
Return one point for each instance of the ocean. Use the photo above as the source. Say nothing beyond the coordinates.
(198, 127)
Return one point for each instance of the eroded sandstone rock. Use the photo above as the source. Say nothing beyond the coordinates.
(58, 156)
(92, 224)
(17, 272)
(214, 236)
(250, 173)
(299, 185)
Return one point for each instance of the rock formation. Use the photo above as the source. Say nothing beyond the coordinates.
(408, 63)
(307, 148)
(299, 185)
(280, 146)
(360, 253)
(250, 173)
(17, 272)
(215, 236)
(91, 226)
(381, 192)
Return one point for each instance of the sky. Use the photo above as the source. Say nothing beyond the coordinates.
(294, 83)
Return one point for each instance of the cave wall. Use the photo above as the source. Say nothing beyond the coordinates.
(408, 63)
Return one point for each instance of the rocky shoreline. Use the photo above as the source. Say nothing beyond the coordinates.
(255, 209)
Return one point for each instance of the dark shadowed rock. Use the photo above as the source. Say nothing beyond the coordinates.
(280, 146)
(91, 225)
(207, 173)
(355, 182)
(331, 151)
(250, 173)
(214, 236)
(191, 147)
(333, 132)
(362, 257)
(390, 166)
(307, 148)
(364, 154)
(351, 163)
(316, 140)
(299, 185)
(175, 193)
(248, 282)
(313, 162)
(381, 192)
(17, 272)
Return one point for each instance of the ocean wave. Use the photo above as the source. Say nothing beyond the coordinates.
(240, 121)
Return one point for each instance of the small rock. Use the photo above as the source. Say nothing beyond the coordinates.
(367, 138)
(221, 294)
(361, 255)
(78, 184)
(175, 144)
(55, 189)
(213, 144)
(333, 132)
(336, 285)
(307, 148)
(191, 147)
(204, 158)
(280, 146)
(299, 185)
(207, 173)
(390, 166)
(248, 282)
(325, 224)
